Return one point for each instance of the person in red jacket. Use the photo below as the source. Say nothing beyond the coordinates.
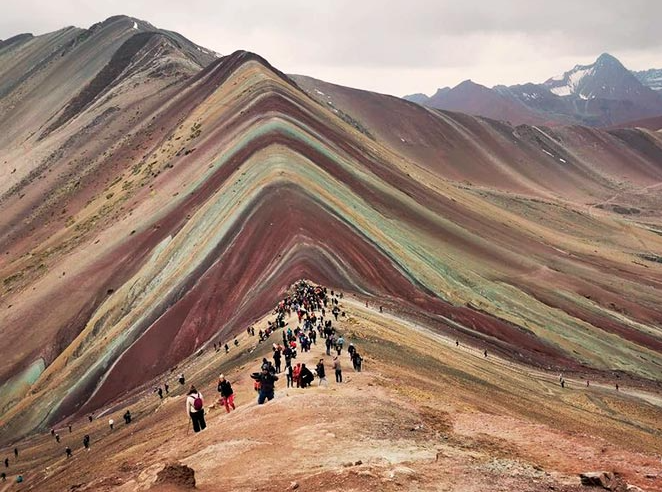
(295, 374)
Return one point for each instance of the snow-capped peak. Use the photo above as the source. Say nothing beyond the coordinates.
(569, 83)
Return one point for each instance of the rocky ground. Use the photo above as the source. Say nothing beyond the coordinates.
(424, 414)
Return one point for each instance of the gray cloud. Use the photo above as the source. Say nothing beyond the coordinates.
(394, 47)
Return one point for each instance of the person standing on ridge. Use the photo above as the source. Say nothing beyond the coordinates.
(356, 361)
(160, 392)
(339, 344)
(127, 417)
(321, 373)
(227, 395)
(16, 453)
(86, 442)
(57, 437)
(337, 369)
(305, 376)
(267, 383)
(167, 388)
(68, 451)
(277, 357)
(195, 410)
(6, 462)
(111, 423)
(290, 376)
(182, 379)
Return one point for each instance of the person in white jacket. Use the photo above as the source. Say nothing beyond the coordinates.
(195, 410)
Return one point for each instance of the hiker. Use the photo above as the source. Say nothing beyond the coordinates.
(328, 342)
(267, 382)
(289, 375)
(52, 432)
(227, 348)
(111, 423)
(236, 342)
(68, 451)
(69, 428)
(227, 395)
(127, 417)
(6, 462)
(381, 309)
(305, 376)
(182, 379)
(356, 361)
(160, 392)
(195, 410)
(277, 359)
(485, 353)
(587, 383)
(616, 386)
(86, 442)
(90, 418)
(321, 374)
(3, 476)
(16, 453)
(337, 369)
(57, 437)
(295, 374)
(457, 343)
(167, 388)
(562, 383)
(350, 350)
(339, 343)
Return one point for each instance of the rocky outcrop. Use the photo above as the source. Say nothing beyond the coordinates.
(176, 474)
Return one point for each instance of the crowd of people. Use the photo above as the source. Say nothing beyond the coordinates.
(312, 306)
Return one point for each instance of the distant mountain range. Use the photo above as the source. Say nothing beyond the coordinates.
(651, 78)
(604, 93)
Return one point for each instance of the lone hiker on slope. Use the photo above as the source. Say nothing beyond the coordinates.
(195, 410)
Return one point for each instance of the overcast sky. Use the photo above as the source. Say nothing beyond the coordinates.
(387, 46)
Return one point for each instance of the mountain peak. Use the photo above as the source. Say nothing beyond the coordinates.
(605, 59)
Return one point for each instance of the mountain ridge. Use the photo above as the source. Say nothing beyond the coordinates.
(152, 241)
(603, 93)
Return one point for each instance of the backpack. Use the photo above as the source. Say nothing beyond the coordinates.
(197, 403)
